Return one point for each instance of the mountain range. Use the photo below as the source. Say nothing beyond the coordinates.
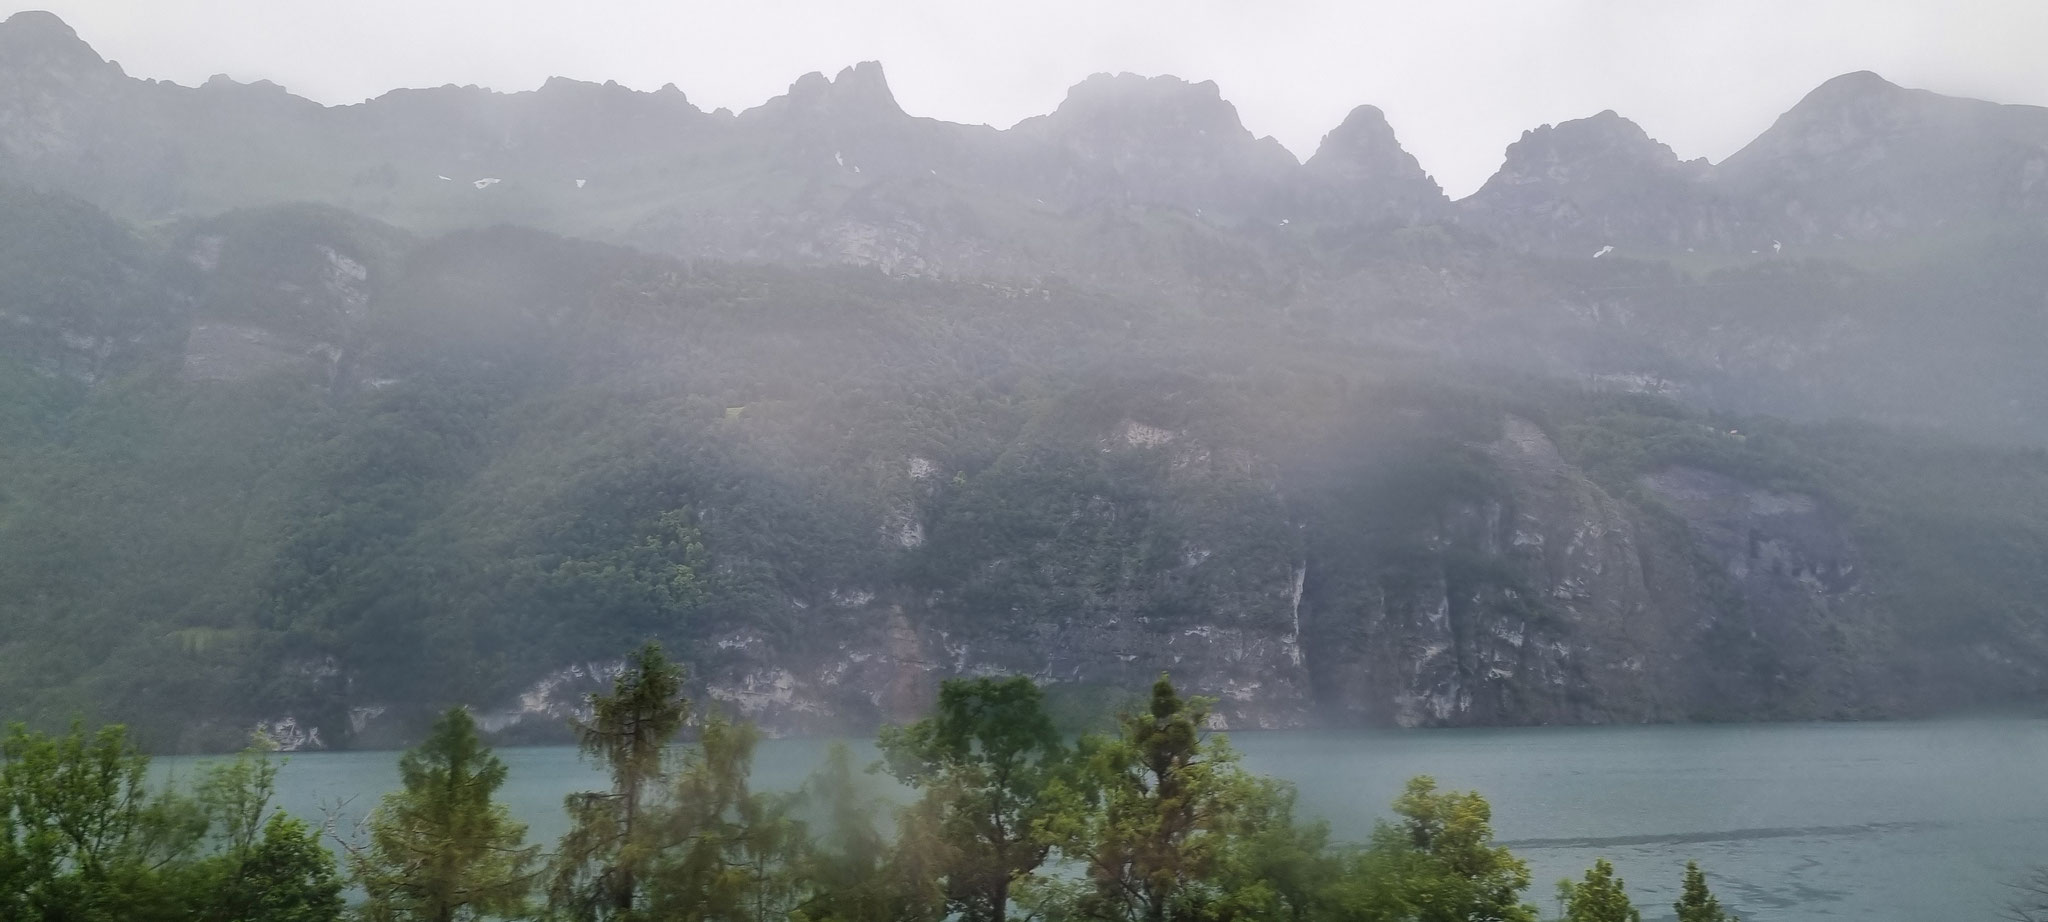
(319, 418)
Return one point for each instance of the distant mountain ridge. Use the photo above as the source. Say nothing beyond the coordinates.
(322, 418)
(1858, 159)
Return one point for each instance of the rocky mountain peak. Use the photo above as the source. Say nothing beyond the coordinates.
(1164, 140)
(1361, 168)
(570, 95)
(1593, 182)
(1856, 88)
(560, 84)
(222, 83)
(1845, 112)
(1856, 115)
(1862, 158)
(39, 25)
(857, 91)
(1157, 107)
(864, 86)
(1364, 134)
(35, 40)
(1584, 149)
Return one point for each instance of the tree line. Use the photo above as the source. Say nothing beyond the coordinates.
(1010, 820)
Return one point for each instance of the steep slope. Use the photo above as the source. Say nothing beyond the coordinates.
(832, 171)
(1163, 141)
(1131, 392)
(1360, 173)
(80, 297)
(1591, 183)
(473, 469)
(1861, 158)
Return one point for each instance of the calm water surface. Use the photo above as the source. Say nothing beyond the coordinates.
(1913, 822)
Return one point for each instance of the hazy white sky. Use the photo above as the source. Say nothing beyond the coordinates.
(1459, 79)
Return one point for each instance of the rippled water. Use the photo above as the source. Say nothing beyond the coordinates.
(1899, 821)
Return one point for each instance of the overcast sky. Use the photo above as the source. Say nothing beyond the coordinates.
(1459, 79)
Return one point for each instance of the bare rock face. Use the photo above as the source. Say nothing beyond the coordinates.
(1861, 158)
(1360, 173)
(1561, 603)
(857, 92)
(1783, 569)
(1163, 140)
(1518, 616)
(1858, 159)
(1592, 183)
(281, 288)
(49, 71)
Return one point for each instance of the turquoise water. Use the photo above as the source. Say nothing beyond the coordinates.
(1872, 822)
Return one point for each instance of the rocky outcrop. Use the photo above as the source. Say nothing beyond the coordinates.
(1360, 173)
(1597, 185)
(1861, 158)
(835, 171)
(1858, 159)
(1559, 602)
(50, 75)
(1555, 601)
(1163, 140)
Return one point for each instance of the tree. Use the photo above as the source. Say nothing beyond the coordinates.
(727, 854)
(440, 848)
(1278, 868)
(611, 841)
(80, 836)
(264, 868)
(1173, 803)
(284, 876)
(1696, 903)
(1438, 863)
(983, 761)
(852, 872)
(82, 839)
(1601, 897)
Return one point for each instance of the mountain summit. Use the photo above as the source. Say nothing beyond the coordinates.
(835, 165)
(1590, 183)
(39, 51)
(859, 91)
(1862, 158)
(1361, 172)
(1163, 140)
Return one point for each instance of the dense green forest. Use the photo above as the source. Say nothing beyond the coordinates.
(1003, 817)
(304, 470)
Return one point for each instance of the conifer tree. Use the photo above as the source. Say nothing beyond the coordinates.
(612, 837)
(1159, 847)
(727, 854)
(440, 848)
(1601, 897)
(852, 872)
(1696, 903)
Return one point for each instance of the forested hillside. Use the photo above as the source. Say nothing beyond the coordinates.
(316, 440)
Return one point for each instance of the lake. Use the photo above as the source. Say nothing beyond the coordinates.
(1873, 821)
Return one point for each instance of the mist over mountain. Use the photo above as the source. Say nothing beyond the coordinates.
(321, 418)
